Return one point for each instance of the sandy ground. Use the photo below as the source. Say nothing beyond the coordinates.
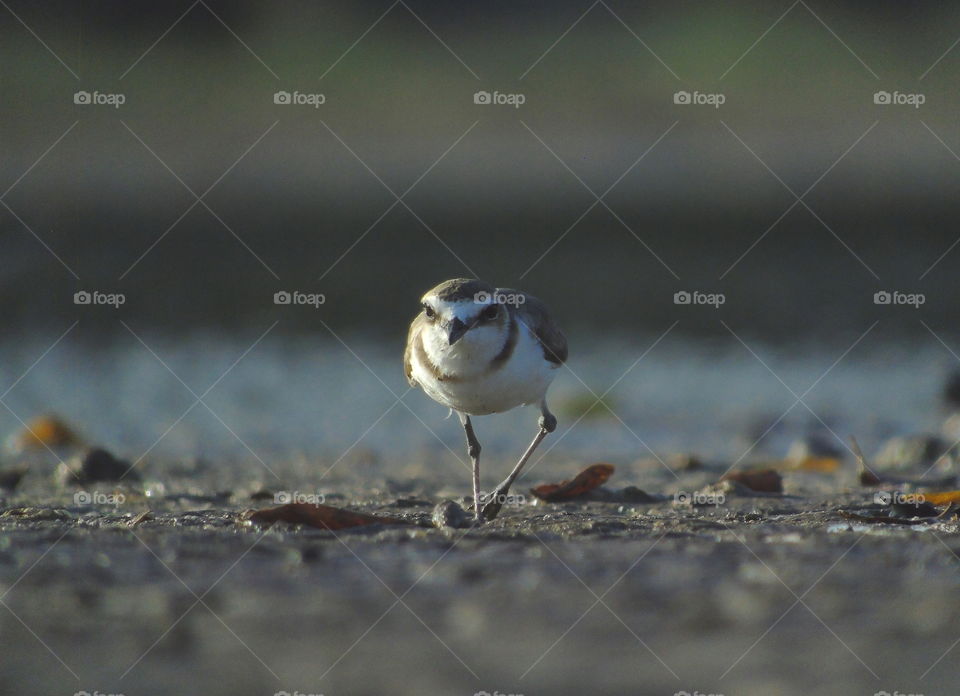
(762, 594)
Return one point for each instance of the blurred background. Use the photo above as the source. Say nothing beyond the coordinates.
(190, 187)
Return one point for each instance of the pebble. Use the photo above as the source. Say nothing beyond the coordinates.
(451, 514)
(98, 465)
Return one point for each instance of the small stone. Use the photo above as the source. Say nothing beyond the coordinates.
(911, 510)
(632, 494)
(451, 514)
(99, 465)
(10, 478)
(915, 450)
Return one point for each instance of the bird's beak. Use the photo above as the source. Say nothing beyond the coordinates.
(455, 330)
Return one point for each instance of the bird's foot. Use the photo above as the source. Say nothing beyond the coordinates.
(494, 502)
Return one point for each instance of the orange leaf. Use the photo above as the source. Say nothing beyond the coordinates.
(825, 465)
(321, 516)
(593, 476)
(46, 431)
(942, 498)
(764, 480)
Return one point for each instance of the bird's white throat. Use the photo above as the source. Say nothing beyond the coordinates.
(473, 352)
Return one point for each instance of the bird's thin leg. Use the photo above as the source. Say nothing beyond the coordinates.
(473, 449)
(548, 423)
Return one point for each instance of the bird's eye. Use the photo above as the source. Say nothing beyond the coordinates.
(428, 310)
(490, 312)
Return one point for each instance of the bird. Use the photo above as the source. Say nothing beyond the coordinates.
(479, 350)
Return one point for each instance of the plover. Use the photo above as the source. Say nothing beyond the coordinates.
(479, 350)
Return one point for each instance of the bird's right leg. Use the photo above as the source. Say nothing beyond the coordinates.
(473, 449)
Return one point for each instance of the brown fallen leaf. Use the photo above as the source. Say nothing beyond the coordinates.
(593, 476)
(321, 516)
(764, 480)
(46, 431)
(943, 498)
(823, 465)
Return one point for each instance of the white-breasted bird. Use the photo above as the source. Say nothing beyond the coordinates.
(479, 350)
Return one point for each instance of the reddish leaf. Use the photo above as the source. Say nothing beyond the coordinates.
(764, 480)
(321, 516)
(593, 476)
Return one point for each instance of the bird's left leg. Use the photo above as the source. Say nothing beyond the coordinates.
(548, 423)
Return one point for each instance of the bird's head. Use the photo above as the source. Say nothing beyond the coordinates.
(463, 316)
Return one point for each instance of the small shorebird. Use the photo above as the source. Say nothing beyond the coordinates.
(479, 350)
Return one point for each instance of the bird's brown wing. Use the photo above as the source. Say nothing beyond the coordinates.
(412, 335)
(534, 314)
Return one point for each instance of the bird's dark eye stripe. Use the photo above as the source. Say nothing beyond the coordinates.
(428, 310)
(490, 312)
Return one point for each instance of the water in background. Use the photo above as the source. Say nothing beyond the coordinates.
(318, 399)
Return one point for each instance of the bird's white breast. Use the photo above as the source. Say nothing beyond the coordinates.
(477, 387)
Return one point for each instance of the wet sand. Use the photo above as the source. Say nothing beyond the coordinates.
(761, 594)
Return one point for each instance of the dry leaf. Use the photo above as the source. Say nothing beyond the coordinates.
(942, 498)
(764, 480)
(321, 516)
(825, 465)
(593, 476)
(46, 431)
